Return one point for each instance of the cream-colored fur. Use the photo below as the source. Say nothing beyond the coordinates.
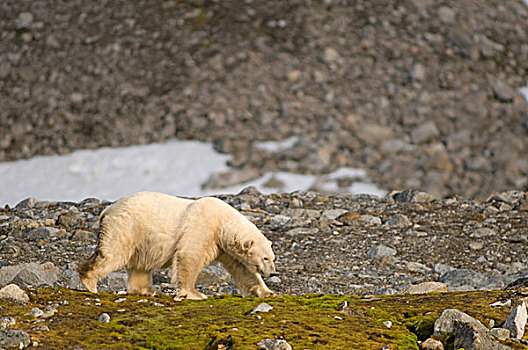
(149, 230)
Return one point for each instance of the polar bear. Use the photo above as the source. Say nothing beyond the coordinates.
(149, 230)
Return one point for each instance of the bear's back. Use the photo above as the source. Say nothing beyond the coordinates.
(150, 211)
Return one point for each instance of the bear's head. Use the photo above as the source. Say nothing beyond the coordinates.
(259, 257)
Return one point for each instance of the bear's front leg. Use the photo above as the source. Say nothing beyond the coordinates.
(184, 271)
(140, 282)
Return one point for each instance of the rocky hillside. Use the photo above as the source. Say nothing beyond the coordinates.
(423, 94)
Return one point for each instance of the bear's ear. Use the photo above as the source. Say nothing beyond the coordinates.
(247, 245)
(270, 242)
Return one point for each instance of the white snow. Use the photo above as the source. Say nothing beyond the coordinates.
(276, 146)
(524, 90)
(175, 167)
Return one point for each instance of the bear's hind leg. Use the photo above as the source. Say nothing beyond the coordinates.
(140, 282)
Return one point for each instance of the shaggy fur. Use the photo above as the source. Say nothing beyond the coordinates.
(148, 230)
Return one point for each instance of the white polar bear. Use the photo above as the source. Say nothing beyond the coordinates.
(149, 230)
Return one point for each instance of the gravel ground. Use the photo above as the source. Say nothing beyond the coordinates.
(328, 244)
(423, 94)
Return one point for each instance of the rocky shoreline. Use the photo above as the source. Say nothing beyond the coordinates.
(349, 244)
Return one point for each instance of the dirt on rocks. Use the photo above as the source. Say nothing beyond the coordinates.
(423, 94)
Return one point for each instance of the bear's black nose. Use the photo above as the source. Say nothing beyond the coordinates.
(274, 274)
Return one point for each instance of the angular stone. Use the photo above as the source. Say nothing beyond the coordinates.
(14, 337)
(412, 196)
(426, 287)
(446, 14)
(471, 336)
(516, 321)
(424, 132)
(503, 92)
(374, 134)
(380, 251)
(23, 20)
(500, 333)
(482, 232)
(373, 220)
(262, 307)
(274, 344)
(14, 293)
(449, 318)
(35, 275)
(461, 279)
(7, 321)
(332, 214)
(398, 221)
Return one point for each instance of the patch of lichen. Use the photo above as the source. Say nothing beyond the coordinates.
(310, 321)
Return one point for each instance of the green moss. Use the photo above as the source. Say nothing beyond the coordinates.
(310, 321)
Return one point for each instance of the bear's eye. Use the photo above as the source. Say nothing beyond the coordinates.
(265, 259)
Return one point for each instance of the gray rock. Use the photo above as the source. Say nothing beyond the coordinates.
(461, 279)
(29, 274)
(426, 287)
(304, 214)
(104, 317)
(394, 146)
(398, 221)
(23, 20)
(36, 275)
(36, 312)
(70, 219)
(14, 293)
(373, 220)
(262, 307)
(374, 134)
(516, 321)
(449, 319)
(424, 132)
(332, 214)
(418, 72)
(330, 55)
(442, 268)
(412, 196)
(482, 232)
(7, 321)
(274, 279)
(41, 233)
(14, 337)
(509, 197)
(303, 231)
(470, 336)
(279, 219)
(274, 344)
(500, 333)
(115, 281)
(379, 251)
(27, 203)
(503, 92)
(213, 273)
(446, 14)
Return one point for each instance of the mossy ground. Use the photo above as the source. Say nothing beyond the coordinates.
(225, 322)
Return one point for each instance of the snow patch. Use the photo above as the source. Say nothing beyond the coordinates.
(175, 167)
